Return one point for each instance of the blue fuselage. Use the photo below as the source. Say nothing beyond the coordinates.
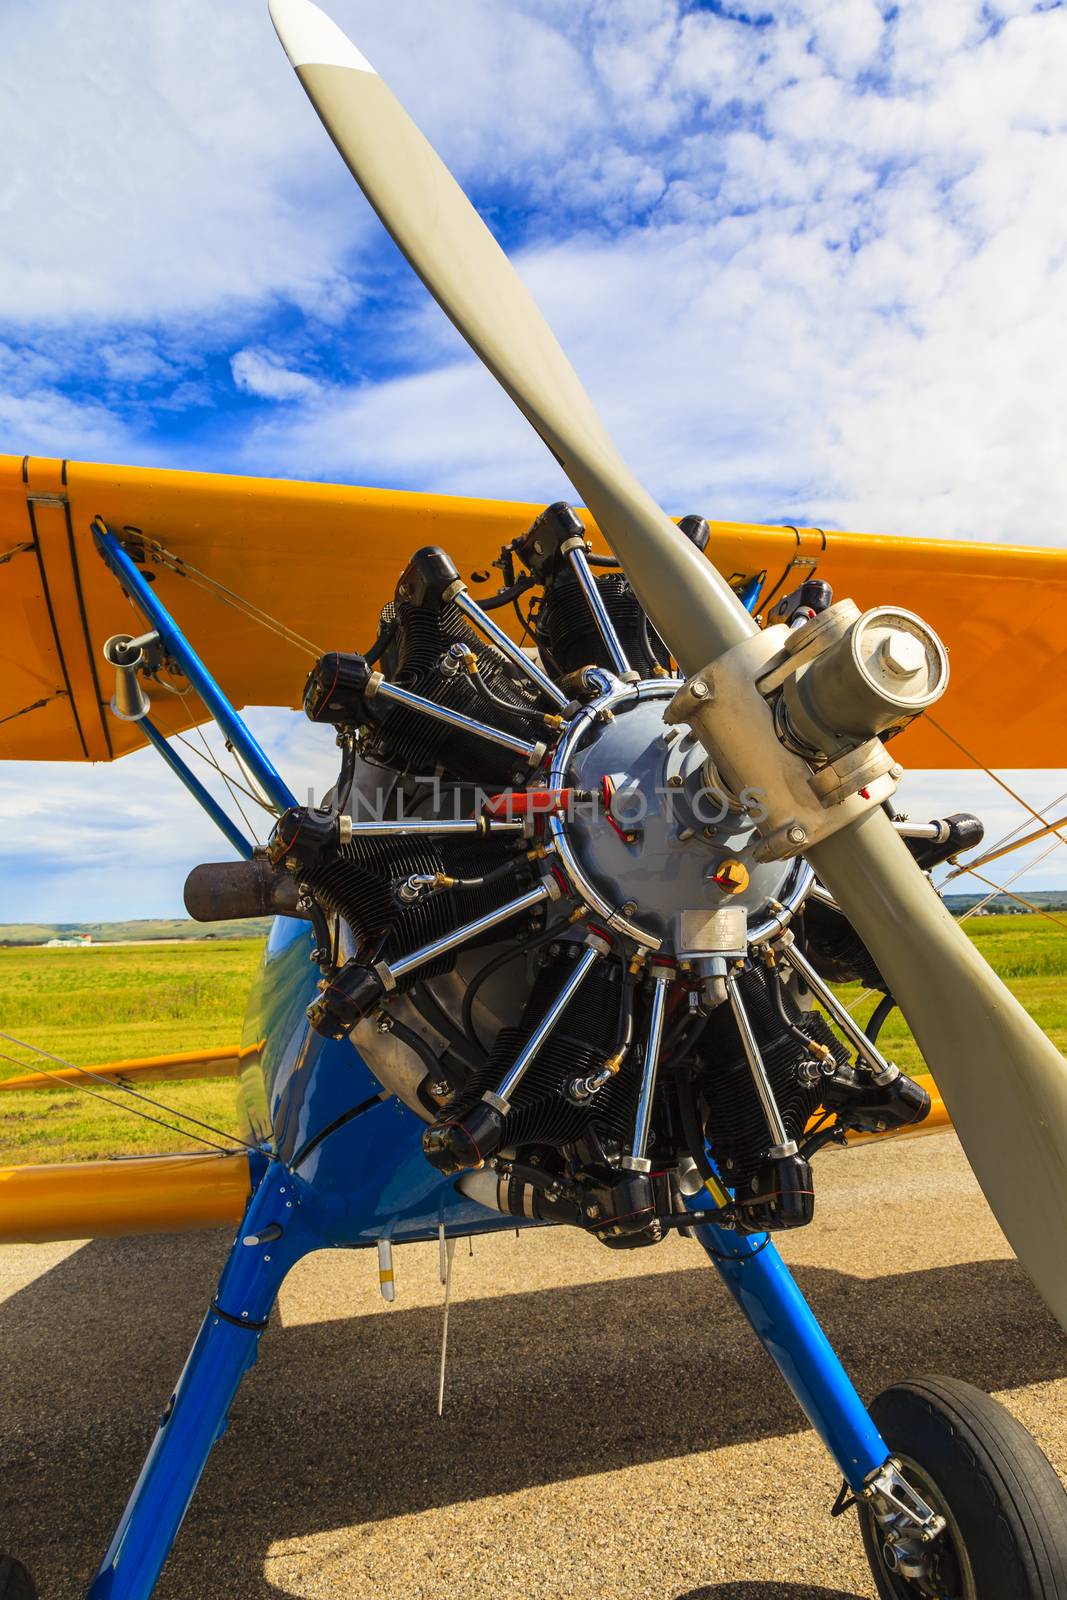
(366, 1178)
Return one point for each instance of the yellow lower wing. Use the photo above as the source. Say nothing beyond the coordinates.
(176, 1193)
(324, 558)
(145, 1069)
(143, 1194)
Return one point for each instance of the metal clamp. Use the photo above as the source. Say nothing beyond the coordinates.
(897, 1503)
(735, 724)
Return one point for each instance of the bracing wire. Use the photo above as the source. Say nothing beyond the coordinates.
(111, 1083)
(249, 776)
(182, 568)
(231, 784)
(118, 1105)
(979, 905)
(1021, 901)
(209, 760)
(202, 580)
(998, 851)
(990, 773)
(1060, 798)
(998, 889)
(212, 762)
(1003, 848)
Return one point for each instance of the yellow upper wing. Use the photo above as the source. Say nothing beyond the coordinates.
(323, 559)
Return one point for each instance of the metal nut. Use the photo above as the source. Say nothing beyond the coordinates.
(902, 654)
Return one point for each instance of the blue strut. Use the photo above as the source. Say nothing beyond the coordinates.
(182, 653)
(786, 1327)
(226, 1346)
(203, 798)
(195, 1415)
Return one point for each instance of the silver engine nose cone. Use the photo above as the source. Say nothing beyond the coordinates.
(659, 839)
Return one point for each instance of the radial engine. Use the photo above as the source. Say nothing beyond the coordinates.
(547, 925)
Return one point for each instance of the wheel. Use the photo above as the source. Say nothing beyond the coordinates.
(1004, 1506)
(15, 1581)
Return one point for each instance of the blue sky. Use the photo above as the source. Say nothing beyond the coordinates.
(809, 259)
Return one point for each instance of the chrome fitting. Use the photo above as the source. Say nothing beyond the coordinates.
(898, 1506)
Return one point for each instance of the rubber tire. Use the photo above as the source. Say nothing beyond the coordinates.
(1008, 1503)
(15, 1581)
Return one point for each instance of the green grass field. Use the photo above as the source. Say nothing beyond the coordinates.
(1030, 954)
(111, 1004)
(108, 1004)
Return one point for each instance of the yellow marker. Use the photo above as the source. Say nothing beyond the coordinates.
(386, 1280)
(731, 877)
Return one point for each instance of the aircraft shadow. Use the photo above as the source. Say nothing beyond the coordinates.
(767, 1591)
(336, 1426)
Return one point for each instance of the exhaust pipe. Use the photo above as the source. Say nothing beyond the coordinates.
(221, 891)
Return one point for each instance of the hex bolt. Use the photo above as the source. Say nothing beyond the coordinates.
(902, 654)
(797, 834)
(699, 689)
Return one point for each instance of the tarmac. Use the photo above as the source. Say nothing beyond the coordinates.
(611, 1431)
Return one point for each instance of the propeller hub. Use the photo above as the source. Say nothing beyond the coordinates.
(658, 839)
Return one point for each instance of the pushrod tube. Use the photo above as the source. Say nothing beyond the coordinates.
(204, 800)
(496, 635)
(637, 1161)
(402, 828)
(500, 1099)
(530, 753)
(782, 1144)
(785, 1325)
(547, 889)
(868, 1051)
(605, 627)
(181, 651)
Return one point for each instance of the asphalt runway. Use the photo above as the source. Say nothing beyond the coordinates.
(611, 1429)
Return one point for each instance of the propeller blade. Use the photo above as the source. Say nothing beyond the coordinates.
(1003, 1081)
(459, 261)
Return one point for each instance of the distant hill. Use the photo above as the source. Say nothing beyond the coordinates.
(21, 933)
(1043, 899)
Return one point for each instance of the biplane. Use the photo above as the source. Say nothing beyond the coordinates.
(613, 814)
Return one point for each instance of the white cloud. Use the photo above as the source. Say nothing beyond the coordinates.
(260, 373)
(849, 34)
(139, 832)
(38, 417)
(815, 268)
(851, 311)
(157, 176)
